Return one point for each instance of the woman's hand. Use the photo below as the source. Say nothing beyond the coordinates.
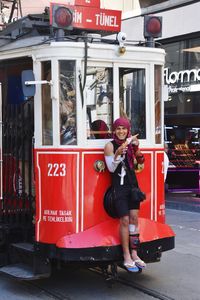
(133, 139)
(122, 149)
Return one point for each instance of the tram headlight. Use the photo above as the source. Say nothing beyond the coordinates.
(61, 17)
(152, 26)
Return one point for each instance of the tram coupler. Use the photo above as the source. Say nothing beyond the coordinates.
(110, 273)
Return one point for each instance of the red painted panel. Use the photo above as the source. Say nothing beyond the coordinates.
(145, 184)
(103, 234)
(160, 188)
(70, 191)
(90, 3)
(107, 234)
(151, 230)
(12, 184)
(56, 197)
(94, 185)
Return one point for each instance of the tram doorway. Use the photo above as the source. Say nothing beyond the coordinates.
(18, 196)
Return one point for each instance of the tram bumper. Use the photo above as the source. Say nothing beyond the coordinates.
(155, 238)
(103, 242)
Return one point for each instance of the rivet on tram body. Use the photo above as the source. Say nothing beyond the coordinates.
(122, 50)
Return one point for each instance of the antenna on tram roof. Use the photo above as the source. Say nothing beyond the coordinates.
(12, 5)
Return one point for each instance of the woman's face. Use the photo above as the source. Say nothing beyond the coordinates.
(121, 132)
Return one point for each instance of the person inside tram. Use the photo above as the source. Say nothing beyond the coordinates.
(119, 156)
(100, 130)
(67, 110)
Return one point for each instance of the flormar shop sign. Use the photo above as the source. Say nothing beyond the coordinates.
(182, 81)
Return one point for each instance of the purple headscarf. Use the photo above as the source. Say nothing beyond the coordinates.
(121, 122)
(124, 122)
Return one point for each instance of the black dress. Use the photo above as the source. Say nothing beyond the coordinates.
(124, 195)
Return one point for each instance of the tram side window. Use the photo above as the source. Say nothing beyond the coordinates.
(99, 102)
(67, 91)
(132, 99)
(158, 78)
(47, 130)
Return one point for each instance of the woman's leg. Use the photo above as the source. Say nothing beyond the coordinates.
(134, 237)
(124, 235)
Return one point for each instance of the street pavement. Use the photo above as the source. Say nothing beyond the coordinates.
(183, 201)
(176, 276)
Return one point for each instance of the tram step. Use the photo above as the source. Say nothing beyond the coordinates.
(26, 262)
(23, 272)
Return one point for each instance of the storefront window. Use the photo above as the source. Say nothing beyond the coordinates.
(132, 99)
(67, 102)
(47, 130)
(99, 106)
(182, 112)
(182, 75)
(175, 56)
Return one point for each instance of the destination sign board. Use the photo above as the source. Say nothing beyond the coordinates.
(93, 18)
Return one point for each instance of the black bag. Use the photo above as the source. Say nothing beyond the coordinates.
(138, 195)
(109, 204)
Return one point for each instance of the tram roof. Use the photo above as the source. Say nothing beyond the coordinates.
(35, 30)
(37, 25)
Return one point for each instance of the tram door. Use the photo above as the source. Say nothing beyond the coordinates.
(17, 184)
(110, 95)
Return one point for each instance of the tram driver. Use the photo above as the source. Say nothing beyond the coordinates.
(119, 156)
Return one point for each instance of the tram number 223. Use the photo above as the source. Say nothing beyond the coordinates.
(57, 169)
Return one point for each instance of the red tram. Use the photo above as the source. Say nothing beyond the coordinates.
(62, 87)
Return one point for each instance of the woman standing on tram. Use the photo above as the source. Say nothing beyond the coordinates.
(119, 156)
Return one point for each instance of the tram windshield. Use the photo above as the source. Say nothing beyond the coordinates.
(67, 89)
(132, 98)
(109, 92)
(99, 98)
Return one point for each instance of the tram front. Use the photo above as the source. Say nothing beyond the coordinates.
(83, 83)
(76, 114)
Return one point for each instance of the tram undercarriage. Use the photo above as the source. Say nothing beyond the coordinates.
(33, 261)
(29, 261)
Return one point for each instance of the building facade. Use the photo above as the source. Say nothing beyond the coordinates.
(181, 41)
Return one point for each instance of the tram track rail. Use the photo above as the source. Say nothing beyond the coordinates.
(110, 280)
(119, 279)
(54, 295)
(144, 290)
